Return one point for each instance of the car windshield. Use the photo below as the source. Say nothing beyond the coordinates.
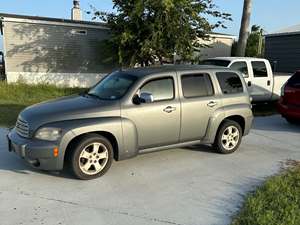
(113, 86)
(215, 62)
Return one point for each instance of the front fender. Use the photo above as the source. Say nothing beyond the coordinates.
(112, 125)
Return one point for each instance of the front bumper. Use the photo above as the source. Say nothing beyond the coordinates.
(37, 153)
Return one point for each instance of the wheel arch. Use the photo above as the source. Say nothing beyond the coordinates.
(236, 118)
(109, 136)
(216, 121)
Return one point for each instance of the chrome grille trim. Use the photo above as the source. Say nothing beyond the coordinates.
(22, 128)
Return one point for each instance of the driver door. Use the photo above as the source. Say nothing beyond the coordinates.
(158, 122)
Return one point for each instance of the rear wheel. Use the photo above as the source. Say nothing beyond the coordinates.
(229, 137)
(92, 157)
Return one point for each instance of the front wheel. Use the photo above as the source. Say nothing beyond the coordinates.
(92, 157)
(229, 137)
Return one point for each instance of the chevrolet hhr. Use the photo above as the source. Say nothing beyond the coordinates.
(133, 111)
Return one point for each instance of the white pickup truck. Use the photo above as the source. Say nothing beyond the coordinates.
(262, 84)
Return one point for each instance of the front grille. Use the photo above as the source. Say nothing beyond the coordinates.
(22, 128)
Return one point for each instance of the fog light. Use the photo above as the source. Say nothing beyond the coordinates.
(55, 152)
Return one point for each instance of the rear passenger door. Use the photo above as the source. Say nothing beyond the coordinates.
(198, 103)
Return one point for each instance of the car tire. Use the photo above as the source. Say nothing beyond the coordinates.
(228, 138)
(91, 157)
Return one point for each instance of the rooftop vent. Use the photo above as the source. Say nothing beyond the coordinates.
(76, 12)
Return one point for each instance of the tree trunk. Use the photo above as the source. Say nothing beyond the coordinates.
(244, 31)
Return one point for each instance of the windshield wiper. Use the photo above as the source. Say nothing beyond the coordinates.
(86, 93)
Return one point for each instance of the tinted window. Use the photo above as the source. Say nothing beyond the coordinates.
(230, 83)
(161, 89)
(294, 81)
(215, 62)
(259, 69)
(114, 86)
(196, 85)
(240, 66)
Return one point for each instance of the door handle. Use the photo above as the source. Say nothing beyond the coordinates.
(269, 83)
(212, 104)
(169, 109)
(249, 83)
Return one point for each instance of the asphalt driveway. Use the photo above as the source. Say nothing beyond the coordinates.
(189, 186)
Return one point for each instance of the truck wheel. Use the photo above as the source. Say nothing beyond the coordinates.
(91, 157)
(229, 137)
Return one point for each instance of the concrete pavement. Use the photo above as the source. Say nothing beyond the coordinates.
(188, 186)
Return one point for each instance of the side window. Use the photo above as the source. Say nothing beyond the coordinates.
(196, 85)
(259, 69)
(242, 67)
(161, 89)
(230, 83)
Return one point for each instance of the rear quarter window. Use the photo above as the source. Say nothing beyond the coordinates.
(230, 83)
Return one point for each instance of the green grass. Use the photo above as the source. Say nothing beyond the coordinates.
(277, 202)
(16, 97)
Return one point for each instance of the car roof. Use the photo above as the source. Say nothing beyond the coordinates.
(144, 71)
(235, 58)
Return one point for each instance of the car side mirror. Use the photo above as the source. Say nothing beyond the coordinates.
(146, 97)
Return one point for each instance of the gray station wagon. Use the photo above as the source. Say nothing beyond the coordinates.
(133, 111)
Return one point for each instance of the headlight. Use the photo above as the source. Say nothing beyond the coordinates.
(48, 134)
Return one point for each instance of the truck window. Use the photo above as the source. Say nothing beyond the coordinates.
(259, 69)
(215, 62)
(196, 85)
(240, 66)
(162, 89)
(230, 83)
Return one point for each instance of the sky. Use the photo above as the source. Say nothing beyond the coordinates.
(272, 15)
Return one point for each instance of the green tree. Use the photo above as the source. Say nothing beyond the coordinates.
(145, 30)
(255, 42)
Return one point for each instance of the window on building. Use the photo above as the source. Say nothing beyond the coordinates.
(79, 32)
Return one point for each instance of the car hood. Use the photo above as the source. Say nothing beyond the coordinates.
(69, 108)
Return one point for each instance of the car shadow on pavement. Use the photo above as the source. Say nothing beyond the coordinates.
(200, 148)
(275, 123)
(13, 163)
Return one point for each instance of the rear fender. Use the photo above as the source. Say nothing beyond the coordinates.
(219, 116)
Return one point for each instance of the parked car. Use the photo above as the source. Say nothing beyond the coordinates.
(133, 111)
(289, 103)
(263, 84)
